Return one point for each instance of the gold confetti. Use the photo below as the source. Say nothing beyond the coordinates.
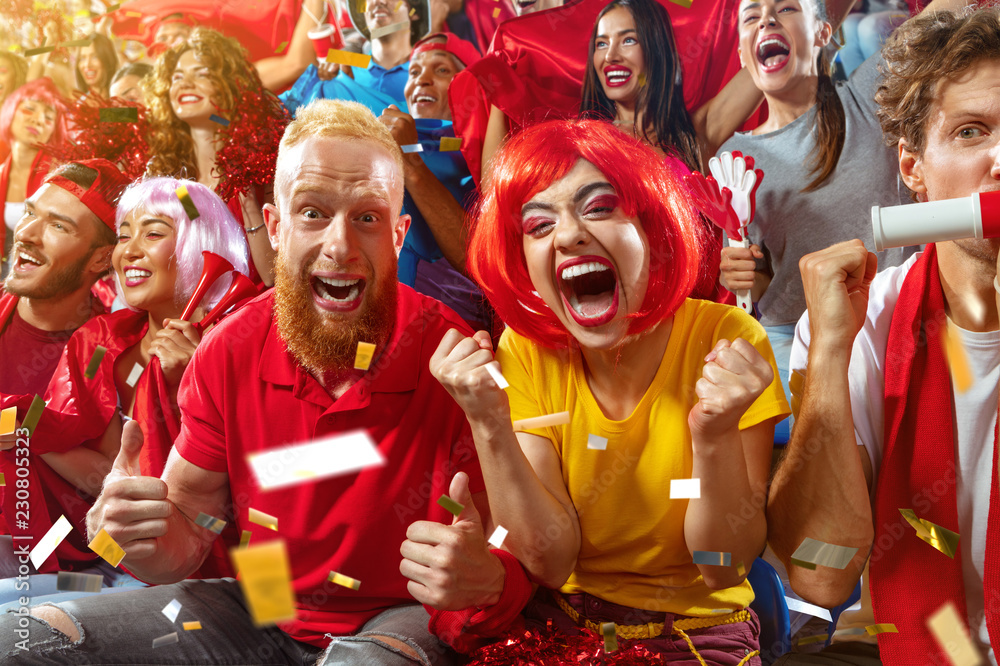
(885, 628)
(642, 78)
(169, 639)
(266, 581)
(362, 6)
(133, 14)
(939, 537)
(189, 207)
(453, 507)
(348, 58)
(76, 42)
(949, 629)
(263, 519)
(95, 363)
(812, 552)
(961, 373)
(119, 114)
(281, 47)
(741, 569)
(39, 51)
(191, 626)
(449, 143)
(245, 538)
(413, 11)
(363, 357)
(345, 581)
(807, 640)
(34, 413)
(610, 636)
(496, 12)
(3, 480)
(389, 29)
(107, 548)
(544, 421)
(682, 3)
(8, 420)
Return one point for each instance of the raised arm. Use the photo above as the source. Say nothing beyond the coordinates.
(718, 119)
(153, 519)
(496, 134)
(821, 488)
(277, 72)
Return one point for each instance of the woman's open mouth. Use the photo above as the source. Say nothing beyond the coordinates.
(589, 288)
(772, 53)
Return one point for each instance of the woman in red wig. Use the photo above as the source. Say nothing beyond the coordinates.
(587, 245)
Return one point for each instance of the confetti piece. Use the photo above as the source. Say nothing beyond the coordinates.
(70, 581)
(362, 6)
(712, 558)
(348, 58)
(192, 626)
(413, 148)
(682, 3)
(165, 640)
(210, 522)
(34, 413)
(642, 79)
(812, 552)
(107, 548)
(363, 357)
(75, 43)
(389, 29)
(189, 207)
(449, 143)
(961, 373)
(413, 11)
(685, 488)
(597, 443)
(949, 629)
(95, 362)
(808, 609)
(245, 538)
(171, 610)
(48, 543)
(133, 14)
(494, 369)
(808, 640)
(263, 519)
(266, 581)
(496, 12)
(499, 534)
(133, 376)
(939, 537)
(610, 636)
(3, 480)
(331, 456)
(453, 507)
(281, 47)
(345, 581)
(8, 420)
(114, 7)
(559, 418)
(741, 569)
(120, 114)
(39, 51)
(876, 629)
(398, 5)
(219, 119)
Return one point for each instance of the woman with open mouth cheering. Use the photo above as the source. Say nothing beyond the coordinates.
(587, 245)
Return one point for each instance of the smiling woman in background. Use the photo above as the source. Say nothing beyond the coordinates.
(95, 65)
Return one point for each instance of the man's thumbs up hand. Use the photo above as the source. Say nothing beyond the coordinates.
(132, 509)
(450, 567)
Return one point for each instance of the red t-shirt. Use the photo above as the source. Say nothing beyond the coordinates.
(244, 393)
(28, 356)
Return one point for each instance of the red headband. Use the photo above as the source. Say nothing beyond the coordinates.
(464, 51)
(101, 197)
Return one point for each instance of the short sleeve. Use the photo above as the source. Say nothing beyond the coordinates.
(772, 402)
(863, 83)
(514, 356)
(201, 441)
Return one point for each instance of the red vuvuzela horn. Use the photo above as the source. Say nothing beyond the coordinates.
(215, 267)
(242, 289)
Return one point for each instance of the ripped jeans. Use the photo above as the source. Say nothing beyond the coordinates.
(121, 628)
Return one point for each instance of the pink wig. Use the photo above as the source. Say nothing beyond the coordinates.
(647, 188)
(215, 230)
(44, 91)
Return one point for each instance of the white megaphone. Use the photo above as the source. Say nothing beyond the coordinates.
(974, 216)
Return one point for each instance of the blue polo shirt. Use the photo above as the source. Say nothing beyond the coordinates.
(388, 81)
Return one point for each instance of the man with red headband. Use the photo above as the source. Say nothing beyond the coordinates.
(62, 247)
(439, 188)
(893, 456)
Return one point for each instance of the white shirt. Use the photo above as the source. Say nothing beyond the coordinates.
(975, 419)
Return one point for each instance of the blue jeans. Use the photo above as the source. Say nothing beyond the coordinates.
(864, 35)
(121, 628)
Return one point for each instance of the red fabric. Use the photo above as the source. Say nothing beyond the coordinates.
(29, 356)
(259, 26)
(39, 169)
(484, 24)
(532, 77)
(919, 444)
(244, 393)
(464, 630)
(453, 44)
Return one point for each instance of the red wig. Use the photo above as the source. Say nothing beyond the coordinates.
(647, 188)
(42, 90)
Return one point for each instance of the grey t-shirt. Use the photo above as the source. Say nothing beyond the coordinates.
(791, 223)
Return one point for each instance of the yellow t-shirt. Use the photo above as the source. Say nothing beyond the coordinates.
(633, 550)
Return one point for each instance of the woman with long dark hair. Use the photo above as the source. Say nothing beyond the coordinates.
(96, 63)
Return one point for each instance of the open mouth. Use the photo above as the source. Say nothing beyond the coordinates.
(90, 74)
(617, 76)
(26, 262)
(337, 293)
(188, 99)
(424, 99)
(590, 288)
(136, 276)
(772, 53)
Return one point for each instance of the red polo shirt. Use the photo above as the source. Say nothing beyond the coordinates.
(244, 393)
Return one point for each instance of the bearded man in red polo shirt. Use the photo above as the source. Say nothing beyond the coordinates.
(279, 372)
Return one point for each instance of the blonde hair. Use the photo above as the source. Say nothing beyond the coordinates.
(335, 119)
